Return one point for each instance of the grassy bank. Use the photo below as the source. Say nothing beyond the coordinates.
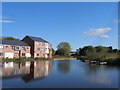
(110, 59)
(37, 59)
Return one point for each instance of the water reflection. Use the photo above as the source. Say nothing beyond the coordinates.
(97, 74)
(63, 66)
(28, 71)
(65, 74)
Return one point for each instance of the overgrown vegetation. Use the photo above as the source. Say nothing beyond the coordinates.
(24, 59)
(100, 54)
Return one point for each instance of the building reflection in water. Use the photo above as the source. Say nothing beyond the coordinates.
(28, 71)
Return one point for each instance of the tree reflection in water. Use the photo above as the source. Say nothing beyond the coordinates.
(63, 66)
(98, 74)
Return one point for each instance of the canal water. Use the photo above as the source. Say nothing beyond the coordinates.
(58, 74)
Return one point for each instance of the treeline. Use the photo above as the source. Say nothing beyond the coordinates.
(99, 49)
(99, 54)
(10, 38)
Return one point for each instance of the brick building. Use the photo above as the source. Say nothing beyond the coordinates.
(39, 46)
(27, 47)
(11, 49)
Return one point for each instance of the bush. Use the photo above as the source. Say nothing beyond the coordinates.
(97, 56)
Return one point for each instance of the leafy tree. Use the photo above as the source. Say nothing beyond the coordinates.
(63, 48)
(101, 49)
(10, 38)
(87, 49)
(115, 50)
(110, 49)
(53, 52)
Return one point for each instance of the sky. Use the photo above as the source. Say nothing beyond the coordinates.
(78, 23)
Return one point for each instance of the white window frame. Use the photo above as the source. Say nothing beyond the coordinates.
(1, 47)
(16, 54)
(16, 47)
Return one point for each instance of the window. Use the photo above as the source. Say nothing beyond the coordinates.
(43, 49)
(13, 47)
(37, 54)
(38, 49)
(38, 43)
(1, 47)
(23, 48)
(1, 54)
(27, 47)
(6, 46)
(16, 54)
(43, 55)
(23, 54)
(17, 48)
(43, 43)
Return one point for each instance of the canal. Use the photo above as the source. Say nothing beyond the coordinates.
(58, 74)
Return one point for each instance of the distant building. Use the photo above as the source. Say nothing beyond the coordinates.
(39, 47)
(73, 53)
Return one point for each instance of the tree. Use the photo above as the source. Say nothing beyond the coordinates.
(63, 48)
(10, 38)
(101, 49)
(115, 50)
(64, 66)
(87, 49)
(53, 52)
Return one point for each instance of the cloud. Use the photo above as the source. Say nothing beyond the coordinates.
(117, 21)
(98, 31)
(7, 21)
(104, 36)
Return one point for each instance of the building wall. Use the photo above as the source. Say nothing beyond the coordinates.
(30, 43)
(9, 51)
(42, 50)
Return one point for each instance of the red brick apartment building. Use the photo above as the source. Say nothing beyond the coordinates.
(14, 49)
(27, 47)
(39, 47)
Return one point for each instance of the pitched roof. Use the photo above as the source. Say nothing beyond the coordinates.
(14, 42)
(37, 39)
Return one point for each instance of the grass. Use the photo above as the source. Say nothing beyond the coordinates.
(24, 59)
(33, 59)
(112, 58)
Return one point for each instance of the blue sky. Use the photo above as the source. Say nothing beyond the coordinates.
(80, 24)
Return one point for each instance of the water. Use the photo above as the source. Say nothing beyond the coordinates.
(58, 74)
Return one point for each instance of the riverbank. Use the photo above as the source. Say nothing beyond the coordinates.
(108, 61)
(38, 59)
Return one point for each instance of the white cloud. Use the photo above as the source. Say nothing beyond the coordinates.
(7, 21)
(117, 21)
(98, 31)
(104, 36)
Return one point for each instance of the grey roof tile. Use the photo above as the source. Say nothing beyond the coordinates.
(14, 42)
(37, 39)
